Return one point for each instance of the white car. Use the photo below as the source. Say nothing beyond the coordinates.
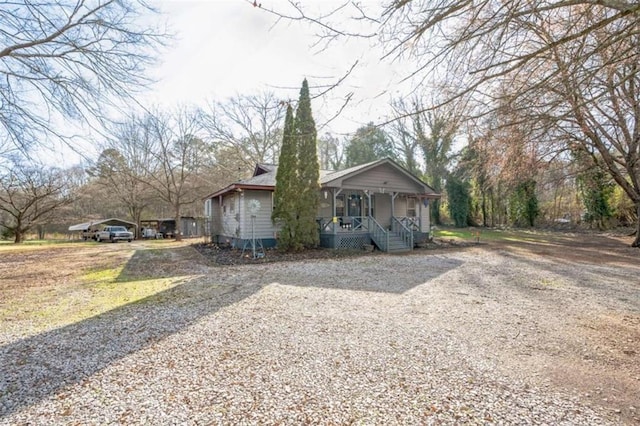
(114, 234)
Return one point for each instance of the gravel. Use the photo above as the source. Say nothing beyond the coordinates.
(454, 337)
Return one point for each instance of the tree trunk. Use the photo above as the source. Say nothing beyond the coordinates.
(19, 236)
(636, 242)
(178, 231)
(484, 209)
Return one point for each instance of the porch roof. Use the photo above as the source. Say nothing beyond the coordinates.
(336, 179)
(264, 178)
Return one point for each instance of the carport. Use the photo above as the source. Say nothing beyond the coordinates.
(87, 227)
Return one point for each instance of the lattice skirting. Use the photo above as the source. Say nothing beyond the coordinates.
(352, 241)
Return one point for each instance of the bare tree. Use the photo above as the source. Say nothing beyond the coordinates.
(589, 103)
(250, 126)
(435, 132)
(179, 158)
(330, 152)
(572, 63)
(69, 60)
(123, 167)
(29, 196)
(403, 136)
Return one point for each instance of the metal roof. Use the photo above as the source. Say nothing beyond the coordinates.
(112, 221)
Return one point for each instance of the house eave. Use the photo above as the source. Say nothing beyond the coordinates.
(236, 187)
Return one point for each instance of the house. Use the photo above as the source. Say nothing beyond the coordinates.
(378, 203)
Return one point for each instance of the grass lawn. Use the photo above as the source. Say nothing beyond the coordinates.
(49, 284)
(488, 234)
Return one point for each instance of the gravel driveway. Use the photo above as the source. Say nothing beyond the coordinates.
(474, 336)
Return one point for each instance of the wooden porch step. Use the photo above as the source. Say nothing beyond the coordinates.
(397, 244)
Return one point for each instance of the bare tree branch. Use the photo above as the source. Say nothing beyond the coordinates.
(70, 60)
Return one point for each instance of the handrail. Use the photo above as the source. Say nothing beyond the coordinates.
(411, 222)
(398, 228)
(378, 234)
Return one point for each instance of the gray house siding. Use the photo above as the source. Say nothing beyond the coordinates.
(235, 224)
(400, 206)
(230, 218)
(382, 178)
(425, 223)
(262, 224)
(382, 213)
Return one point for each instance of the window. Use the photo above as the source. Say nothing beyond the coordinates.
(411, 206)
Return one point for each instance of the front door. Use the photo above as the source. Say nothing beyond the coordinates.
(354, 205)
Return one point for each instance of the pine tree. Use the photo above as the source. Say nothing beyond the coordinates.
(284, 197)
(308, 199)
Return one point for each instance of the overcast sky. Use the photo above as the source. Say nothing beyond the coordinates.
(228, 47)
(224, 48)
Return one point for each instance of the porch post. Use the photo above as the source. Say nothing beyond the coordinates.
(334, 195)
(368, 194)
(333, 204)
(393, 204)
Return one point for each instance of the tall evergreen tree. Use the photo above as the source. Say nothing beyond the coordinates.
(284, 197)
(308, 173)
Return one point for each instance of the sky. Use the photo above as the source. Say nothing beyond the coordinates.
(224, 48)
(228, 47)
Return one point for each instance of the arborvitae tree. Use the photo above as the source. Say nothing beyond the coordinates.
(308, 197)
(284, 197)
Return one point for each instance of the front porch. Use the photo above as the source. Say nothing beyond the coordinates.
(355, 232)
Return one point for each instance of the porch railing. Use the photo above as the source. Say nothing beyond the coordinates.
(410, 222)
(398, 228)
(379, 235)
(343, 224)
